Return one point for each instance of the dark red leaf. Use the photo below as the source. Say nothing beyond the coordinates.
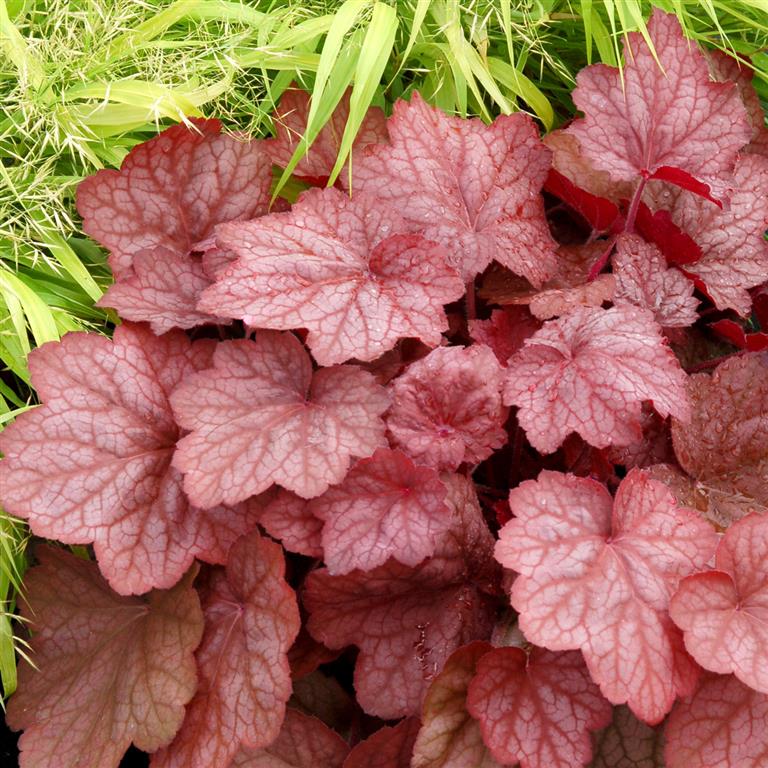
(590, 192)
(658, 228)
(734, 333)
(598, 212)
(760, 306)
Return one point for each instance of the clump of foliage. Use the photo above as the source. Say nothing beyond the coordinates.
(526, 520)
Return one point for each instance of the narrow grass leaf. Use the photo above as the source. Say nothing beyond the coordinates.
(374, 54)
(523, 88)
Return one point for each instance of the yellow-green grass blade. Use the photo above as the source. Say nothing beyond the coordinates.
(37, 313)
(322, 105)
(373, 57)
(321, 108)
(153, 27)
(18, 52)
(50, 238)
(523, 88)
(13, 537)
(446, 14)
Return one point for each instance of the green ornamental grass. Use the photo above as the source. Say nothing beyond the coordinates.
(82, 81)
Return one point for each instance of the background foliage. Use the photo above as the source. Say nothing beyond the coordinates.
(82, 81)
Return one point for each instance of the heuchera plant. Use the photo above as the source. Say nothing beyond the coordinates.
(463, 463)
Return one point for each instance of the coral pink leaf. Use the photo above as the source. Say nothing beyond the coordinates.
(664, 119)
(346, 270)
(734, 333)
(407, 621)
(303, 742)
(290, 120)
(536, 709)
(724, 446)
(628, 743)
(471, 187)
(559, 301)
(724, 613)
(261, 416)
(449, 736)
(162, 289)
(251, 620)
(569, 289)
(172, 190)
(569, 160)
(110, 670)
(387, 748)
(734, 250)
(588, 372)
(642, 279)
(721, 726)
(597, 575)
(290, 519)
(94, 463)
(446, 408)
(387, 506)
(725, 68)
(574, 281)
(505, 331)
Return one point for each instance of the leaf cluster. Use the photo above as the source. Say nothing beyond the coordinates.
(507, 500)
